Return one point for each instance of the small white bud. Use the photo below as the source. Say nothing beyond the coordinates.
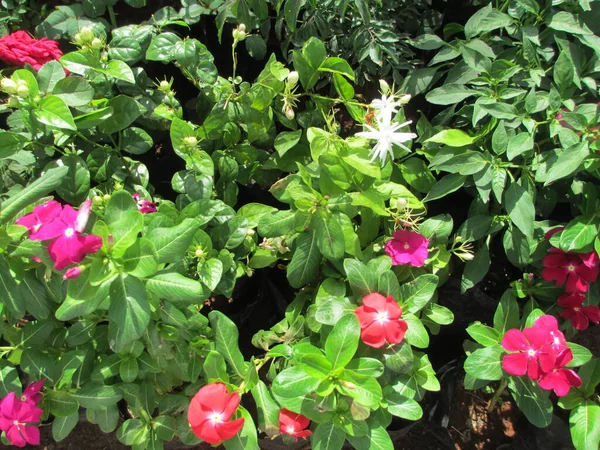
(86, 34)
(292, 78)
(241, 27)
(190, 141)
(23, 91)
(404, 99)
(289, 113)
(164, 85)
(97, 43)
(401, 204)
(9, 86)
(384, 87)
(467, 256)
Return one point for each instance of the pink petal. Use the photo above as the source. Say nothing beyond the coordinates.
(31, 434)
(514, 340)
(365, 317)
(395, 330)
(533, 369)
(375, 301)
(537, 336)
(14, 437)
(515, 363)
(373, 335)
(231, 406)
(83, 215)
(392, 308)
(49, 230)
(227, 430)
(207, 431)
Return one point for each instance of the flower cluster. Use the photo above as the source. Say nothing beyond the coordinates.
(144, 206)
(407, 247)
(18, 414)
(542, 353)
(380, 321)
(64, 226)
(577, 270)
(19, 49)
(386, 133)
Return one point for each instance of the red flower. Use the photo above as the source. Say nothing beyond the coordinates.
(580, 316)
(41, 216)
(144, 206)
(380, 321)
(19, 49)
(293, 424)
(72, 273)
(16, 418)
(560, 379)
(407, 247)
(210, 411)
(552, 232)
(528, 345)
(578, 270)
(32, 394)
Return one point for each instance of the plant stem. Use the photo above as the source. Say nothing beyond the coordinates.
(497, 394)
(113, 18)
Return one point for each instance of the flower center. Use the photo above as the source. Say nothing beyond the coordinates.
(290, 430)
(571, 268)
(16, 423)
(37, 226)
(69, 232)
(406, 246)
(531, 353)
(23, 398)
(382, 317)
(216, 417)
(576, 309)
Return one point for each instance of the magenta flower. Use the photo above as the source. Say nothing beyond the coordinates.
(560, 379)
(144, 206)
(578, 270)
(527, 345)
(32, 394)
(71, 246)
(72, 273)
(579, 315)
(407, 247)
(16, 418)
(37, 221)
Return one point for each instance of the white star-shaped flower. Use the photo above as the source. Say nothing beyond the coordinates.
(386, 135)
(385, 106)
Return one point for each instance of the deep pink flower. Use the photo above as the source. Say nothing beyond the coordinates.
(578, 270)
(16, 418)
(19, 49)
(293, 424)
(39, 219)
(71, 246)
(579, 315)
(210, 411)
(144, 206)
(380, 321)
(552, 232)
(32, 394)
(407, 247)
(527, 345)
(72, 273)
(560, 379)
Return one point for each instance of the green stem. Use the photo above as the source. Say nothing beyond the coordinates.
(497, 394)
(113, 18)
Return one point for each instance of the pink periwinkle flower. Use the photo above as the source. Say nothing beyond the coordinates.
(32, 393)
(144, 206)
(37, 221)
(72, 273)
(407, 247)
(16, 419)
(560, 379)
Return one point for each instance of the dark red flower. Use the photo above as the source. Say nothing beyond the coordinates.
(210, 411)
(380, 320)
(293, 424)
(579, 315)
(560, 379)
(19, 49)
(578, 270)
(527, 345)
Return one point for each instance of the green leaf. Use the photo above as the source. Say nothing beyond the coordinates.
(361, 279)
(267, 409)
(61, 403)
(532, 401)
(484, 335)
(140, 259)
(485, 20)
(10, 143)
(162, 47)
(294, 382)
(125, 111)
(129, 311)
(304, 265)
(175, 287)
(581, 355)
(10, 293)
(342, 342)
(76, 184)
(449, 94)
(446, 185)
(172, 243)
(9, 379)
(485, 363)
(376, 439)
(54, 112)
(452, 138)
(519, 144)
(95, 396)
(476, 269)
(506, 316)
(584, 423)
(520, 208)
(286, 141)
(337, 66)
(50, 74)
(579, 234)
(330, 237)
(402, 406)
(119, 70)
(75, 91)
(62, 426)
(415, 294)
(366, 391)
(129, 369)
(416, 335)
(226, 341)
(328, 437)
(93, 118)
(246, 438)
(568, 162)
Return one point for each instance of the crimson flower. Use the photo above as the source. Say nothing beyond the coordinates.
(71, 246)
(39, 219)
(72, 273)
(527, 345)
(380, 321)
(293, 424)
(560, 379)
(210, 411)
(32, 394)
(144, 206)
(578, 270)
(579, 315)
(16, 418)
(19, 49)
(407, 247)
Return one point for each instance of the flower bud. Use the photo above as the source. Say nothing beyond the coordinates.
(242, 27)
(72, 273)
(401, 204)
(292, 78)
(23, 91)
(239, 34)
(404, 99)
(199, 253)
(384, 87)
(106, 197)
(289, 113)
(97, 200)
(164, 85)
(9, 86)
(250, 232)
(14, 102)
(190, 141)
(466, 256)
(97, 43)
(86, 34)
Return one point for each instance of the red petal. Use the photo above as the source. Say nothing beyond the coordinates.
(392, 308)
(365, 317)
(515, 364)
(227, 430)
(394, 331)
(231, 406)
(533, 369)
(514, 340)
(592, 313)
(537, 336)
(375, 301)
(207, 432)
(573, 300)
(557, 274)
(373, 335)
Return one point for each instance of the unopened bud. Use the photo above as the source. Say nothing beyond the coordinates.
(199, 253)
(384, 87)
(72, 273)
(289, 113)
(97, 43)
(14, 102)
(239, 34)
(9, 86)
(23, 91)
(106, 197)
(164, 85)
(86, 34)
(190, 141)
(348, 384)
(404, 99)
(97, 200)
(292, 78)
(401, 204)
(250, 232)
(241, 27)
(467, 256)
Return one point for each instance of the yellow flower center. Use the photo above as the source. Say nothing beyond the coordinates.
(69, 232)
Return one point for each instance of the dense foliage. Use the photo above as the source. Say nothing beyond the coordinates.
(309, 170)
